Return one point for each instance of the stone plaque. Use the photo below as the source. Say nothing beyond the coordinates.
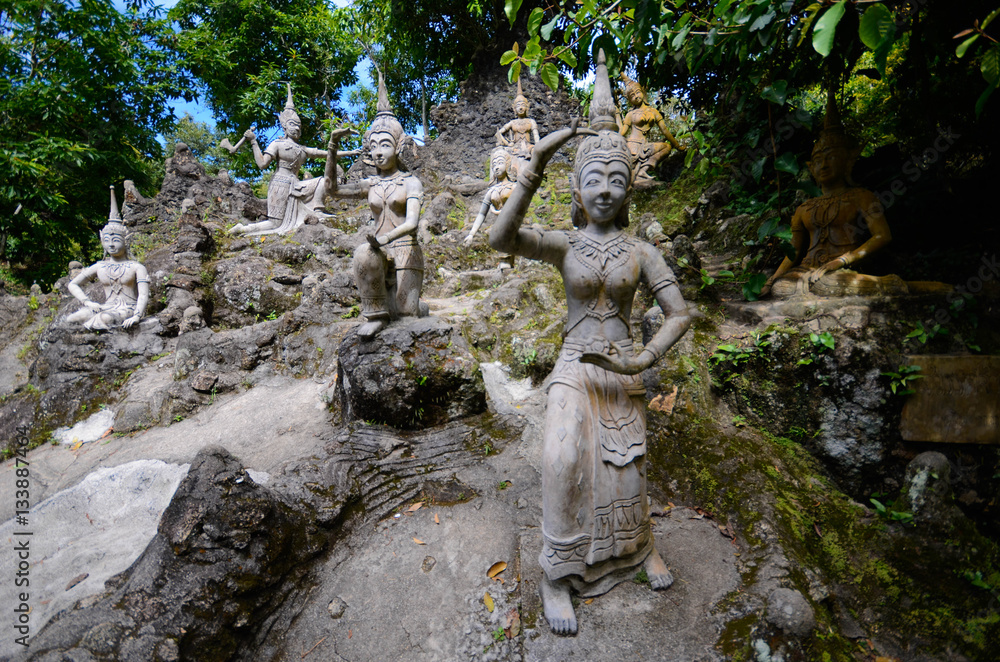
(957, 401)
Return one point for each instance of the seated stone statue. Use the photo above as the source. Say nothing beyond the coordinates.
(502, 175)
(595, 512)
(829, 232)
(125, 281)
(289, 201)
(520, 134)
(636, 127)
(389, 269)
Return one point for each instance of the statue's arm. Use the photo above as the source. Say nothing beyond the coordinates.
(77, 291)
(262, 159)
(501, 137)
(874, 216)
(799, 239)
(142, 297)
(660, 122)
(414, 198)
(333, 187)
(534, 131)
(506, 234)
(480, 217)
(626, 124)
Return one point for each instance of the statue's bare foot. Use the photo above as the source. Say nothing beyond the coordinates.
(239, 228)
(368, 330)
(659, 577)
(558, 604)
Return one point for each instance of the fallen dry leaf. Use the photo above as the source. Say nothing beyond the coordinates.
(77, 444)
(726, 531)
(513, 623)
(415, 507)
(419, 541)
(76, 580)
(496, 569)
(588, 601)
(488, 601)
(664, 402)
(436, 520)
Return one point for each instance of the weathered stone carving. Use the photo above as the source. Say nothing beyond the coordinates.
(520, 135)
(636, 126)
(829, 232)
(125, 281)
(289, 201)
(595, 522)
(389, 269)
(502, 175)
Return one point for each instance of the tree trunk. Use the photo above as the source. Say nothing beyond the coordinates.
(423, 108)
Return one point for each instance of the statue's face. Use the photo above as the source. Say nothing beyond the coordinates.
(634, 95)
(293, 129)
(499, 166)
(830, 165)
(382, 147)
(603, 189)
(113, 243)
(521, 108)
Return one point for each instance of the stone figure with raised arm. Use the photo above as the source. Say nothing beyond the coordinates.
(835, 231)
(595, 514)
(125, 281)
(636, 126)
(519, 135)
(503, 172)
(289, 201)
(389, 268)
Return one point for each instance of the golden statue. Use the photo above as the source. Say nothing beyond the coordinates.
(837, 230)
(636, 127)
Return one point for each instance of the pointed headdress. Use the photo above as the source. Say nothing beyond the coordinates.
(385, 119)
(833, 133)
(288, 114)
(114, 226)
(632, 87)
(520, 96)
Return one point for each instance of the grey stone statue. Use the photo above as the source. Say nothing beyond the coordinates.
(289, 201)
(125, 281)
(502, 175)
(389, 268)
(595, 513)
(520, 134)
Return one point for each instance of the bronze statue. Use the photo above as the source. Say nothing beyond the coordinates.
(289, 201)
(520, 135)
(125, 281)
(827, 231)
(636, 126)
(503, 172)
(595, 513)
(389, 268)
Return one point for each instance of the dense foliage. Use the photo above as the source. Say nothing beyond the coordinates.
(84, 90)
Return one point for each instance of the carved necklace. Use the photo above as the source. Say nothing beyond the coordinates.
(601, 258)
(826, 209)
(116, 272)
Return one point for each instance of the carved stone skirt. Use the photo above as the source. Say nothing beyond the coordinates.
(595, 514)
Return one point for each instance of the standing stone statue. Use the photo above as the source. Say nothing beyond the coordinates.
(125, 281)
(502, 175)
(389, 269)
(520, 135)
(289, 201)
(836, 230)
(636, 126)
(595, 513)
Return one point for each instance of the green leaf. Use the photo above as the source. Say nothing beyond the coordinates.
(964, 46)
(510, 8)
(991, 65)
(515, 72)
(981, 103)
(763, 20)
(566, 55)
(876, 25)
(826, 28)
(507, 58)
(532, 50)
(547, 29)
(753, 286)
(726, 273)
(776, 92)
(550, 75)
(787, 162)
(535, 20)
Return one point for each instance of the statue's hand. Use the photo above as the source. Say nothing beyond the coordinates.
(818, 273)
(765, 291)
(623, 364)
(550, 144)
(383, 240)
(249, 134)
(130, 321)
(468, 240)
(337, 134)
(93, 306)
